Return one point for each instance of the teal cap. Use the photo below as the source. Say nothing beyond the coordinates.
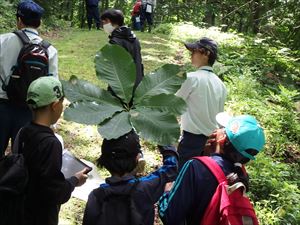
(43, 91)
(244, 133)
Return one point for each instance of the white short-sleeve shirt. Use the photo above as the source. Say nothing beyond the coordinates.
(205, 96)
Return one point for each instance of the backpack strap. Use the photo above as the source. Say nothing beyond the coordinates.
(18, 148)
(45, 44)
(3, 86)
(214, 167)
(23, 36)
(25, 39)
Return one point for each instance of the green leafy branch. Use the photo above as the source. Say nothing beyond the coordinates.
(151, 110)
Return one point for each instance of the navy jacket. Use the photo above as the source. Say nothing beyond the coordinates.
(92, 2)
(146, 194)
(193, 189)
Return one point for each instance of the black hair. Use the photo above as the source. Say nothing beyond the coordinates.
(35, 23)
(211, 56)
(231, 154)
(114, 15)
(116, 165)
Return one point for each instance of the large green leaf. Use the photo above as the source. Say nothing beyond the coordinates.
(152, 125)
(164, 80)
(164, 102)
(90, 113)
(80, 90)
(115, 66)
(115, 127)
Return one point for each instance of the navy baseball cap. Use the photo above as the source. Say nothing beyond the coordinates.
(30, 10)
(205, 43)
(125, 146)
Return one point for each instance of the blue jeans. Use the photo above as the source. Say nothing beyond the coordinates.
(12, 118)
(135, 24)
(190, 145)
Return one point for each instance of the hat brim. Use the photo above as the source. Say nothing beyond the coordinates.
(223, 119)
(191, 46)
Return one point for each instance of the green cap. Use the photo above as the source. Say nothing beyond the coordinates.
(43, 91)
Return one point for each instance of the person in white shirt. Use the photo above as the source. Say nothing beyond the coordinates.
(12, 116)
(205, 96)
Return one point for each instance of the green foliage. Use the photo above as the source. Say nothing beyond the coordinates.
(275, 191)
(274, 185)
(7, 16)
(277, 21)
(282, 23)
(118, 71)
(151, 110)
(164, 28)
(244, 63)
(254, 73)
(275, 111)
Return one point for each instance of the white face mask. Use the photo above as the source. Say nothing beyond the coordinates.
(108, 28)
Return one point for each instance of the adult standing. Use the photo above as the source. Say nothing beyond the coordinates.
(205, 96)
(113, 24)
(148, 7)
(13, 116)
(92, 11)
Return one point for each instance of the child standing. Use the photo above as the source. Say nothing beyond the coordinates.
(205, 96)
(125, 199)
(47, 187)
(119, 34)
(234, 145)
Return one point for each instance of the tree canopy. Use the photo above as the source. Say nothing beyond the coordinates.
(274, 19)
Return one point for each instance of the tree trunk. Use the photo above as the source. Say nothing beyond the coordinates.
(72, 13)
(256, 16)
(105, 5)
(240, 26)
(209, 17)
(82, 13)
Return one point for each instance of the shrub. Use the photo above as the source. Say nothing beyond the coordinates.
(275, 191)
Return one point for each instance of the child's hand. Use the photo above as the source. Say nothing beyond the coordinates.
(220, 137)
(210, 146)
(215, 141)
(168, 186)
(82, 176)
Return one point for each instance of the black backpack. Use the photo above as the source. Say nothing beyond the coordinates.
(32, 63)
(14, 179)
(118, 209)
(13, 184)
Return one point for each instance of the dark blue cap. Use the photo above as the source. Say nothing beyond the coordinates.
(205, 43)
(30, 10)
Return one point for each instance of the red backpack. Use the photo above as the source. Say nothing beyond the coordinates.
(229, 204)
